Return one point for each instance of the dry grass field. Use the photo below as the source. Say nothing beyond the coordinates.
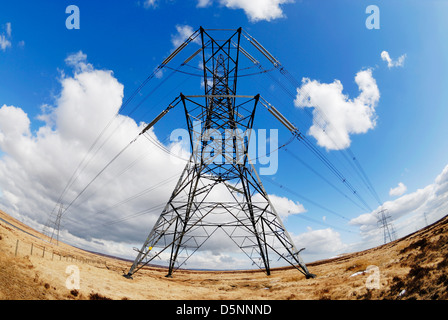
(414, 267)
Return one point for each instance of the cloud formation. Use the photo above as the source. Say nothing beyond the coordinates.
(183, 32)
(398, 191)
(117, 211)
(321, 242)
(204, 3)
(285, 207)
(5, 38)
(347, 116)
(150, 4)
(407, 212)
(260, 10)
(393, 63)
(35, 167)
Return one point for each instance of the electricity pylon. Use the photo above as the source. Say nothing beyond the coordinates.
(54, 225)
(219, 123)
(389, 233)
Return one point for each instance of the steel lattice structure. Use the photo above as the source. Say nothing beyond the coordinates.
(389, 233)
(219, 167)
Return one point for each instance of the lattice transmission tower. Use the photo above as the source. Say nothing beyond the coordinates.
(219, 122)
(389, 233)
(52, 227)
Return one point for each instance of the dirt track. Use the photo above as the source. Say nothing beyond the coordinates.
(415, 267)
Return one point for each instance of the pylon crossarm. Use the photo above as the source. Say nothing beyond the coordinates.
(180, 48)
(161, 115)
(260, 48)
(291, 127)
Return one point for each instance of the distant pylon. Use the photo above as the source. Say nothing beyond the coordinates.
(54, 225)
(389, 233)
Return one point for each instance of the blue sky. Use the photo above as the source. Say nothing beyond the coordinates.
(324, 41)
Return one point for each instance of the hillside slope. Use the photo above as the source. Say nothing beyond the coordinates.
(414, 267)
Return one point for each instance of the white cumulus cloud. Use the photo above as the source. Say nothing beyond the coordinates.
(204, 3)
(398, 190)
(5, 38)
(4, 42)
(35, 167)
(183, 32)
(335, 115)
(258, 10)
(286, 207)
(320, 243)
(150, 4)
(399, 62)
(78, 61)
(8, 29)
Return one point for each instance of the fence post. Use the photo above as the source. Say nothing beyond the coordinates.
(43, 253)
(17, 246)
(31, 253)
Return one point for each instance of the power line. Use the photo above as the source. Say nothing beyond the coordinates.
(99, 173)
(141, 193)
(324, 178)
(283, 187)
(306, 199)
(319, 111)
(77, 171)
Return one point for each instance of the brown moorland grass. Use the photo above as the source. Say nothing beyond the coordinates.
(413, 267)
